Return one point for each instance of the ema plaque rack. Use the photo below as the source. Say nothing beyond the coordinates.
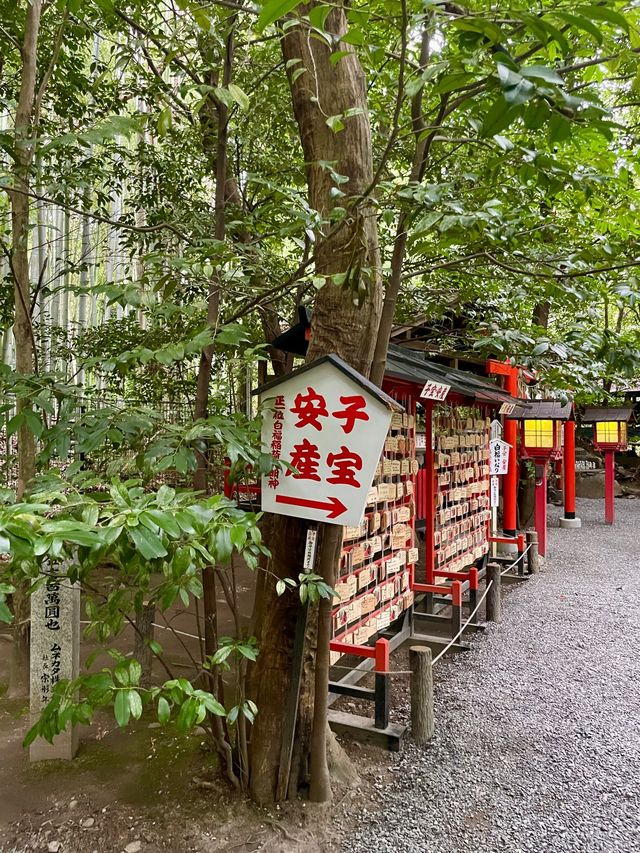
(462, 503)
(378, 557)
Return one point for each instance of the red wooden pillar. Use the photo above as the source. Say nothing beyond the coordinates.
(430, 508)
(569, 476)
(510, 480)
(541, 507)
(609, 486)
(569, 469)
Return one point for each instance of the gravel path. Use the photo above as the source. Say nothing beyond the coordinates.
(537, 743)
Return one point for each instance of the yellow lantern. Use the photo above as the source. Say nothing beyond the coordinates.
(609, 427)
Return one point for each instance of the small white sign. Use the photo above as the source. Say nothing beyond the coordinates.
(325, 423)
(435, 391)
(496, 430)
(506, 409)
(310, 549)
(495, 492)
(421, 441)
(498, 457)
(586, 465)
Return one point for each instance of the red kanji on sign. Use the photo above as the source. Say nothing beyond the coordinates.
(305, 459)
(343, 467)
(353, 411)
(309, 408)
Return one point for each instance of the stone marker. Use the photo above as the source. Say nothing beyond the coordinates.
(55, 654)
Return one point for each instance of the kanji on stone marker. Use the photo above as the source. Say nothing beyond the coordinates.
(343, 467)
(353, 411)
(309, 408)
(305, 458)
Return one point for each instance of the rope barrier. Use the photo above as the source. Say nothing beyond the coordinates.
(515, 562)
(461, 631)
(440, 654)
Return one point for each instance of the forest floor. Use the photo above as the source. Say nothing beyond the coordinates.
(536, 749)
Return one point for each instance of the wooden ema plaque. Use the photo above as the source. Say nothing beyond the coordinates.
(378, 556)
(461, 464)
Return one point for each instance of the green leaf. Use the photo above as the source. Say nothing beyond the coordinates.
(135, 671)
(15, 423)
(121, 673)
(164, 711)
(121, 708)
(559, 128)
(605, 13)
(280, 587)
(541, 72)
(135, 704)
(500, 115)
(337, 55)
(335, 123)
(554, 34)
(5, 614)
(536, 114)
(33, 422)
(318, 16)
(239, 96)
(580, 23)
(248, 711)
(273, 10)
(165, 121)
(164, 520)
(147, 543)
(540, 348)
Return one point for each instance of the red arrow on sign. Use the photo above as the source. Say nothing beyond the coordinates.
(334, 504)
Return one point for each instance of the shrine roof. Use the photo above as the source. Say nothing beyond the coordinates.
(607, 413)
(410, 366)
(542, 410)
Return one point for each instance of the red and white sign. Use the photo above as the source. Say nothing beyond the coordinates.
(506, 409)
(435, 391)
(331, 429)
(498, 457)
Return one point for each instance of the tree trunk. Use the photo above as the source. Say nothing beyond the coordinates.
(339, 325)
(22, 329)
(213, 300)
(541, 312)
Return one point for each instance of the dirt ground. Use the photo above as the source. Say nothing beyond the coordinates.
(141, 789)
(145, 788)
